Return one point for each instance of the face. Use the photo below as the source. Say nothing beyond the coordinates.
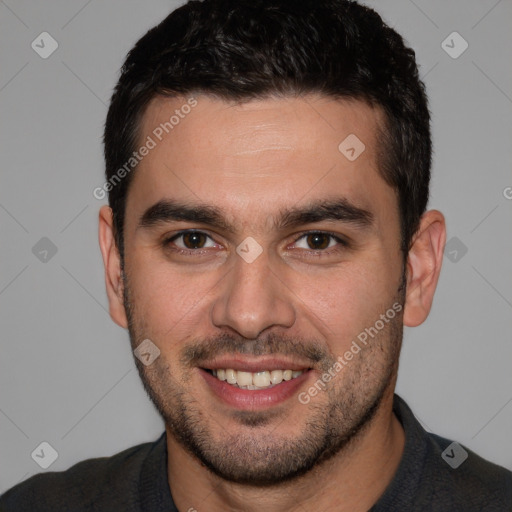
(258, 256)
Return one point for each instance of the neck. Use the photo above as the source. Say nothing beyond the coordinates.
(352, 480)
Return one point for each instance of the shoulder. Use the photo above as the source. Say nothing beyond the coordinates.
(110, 481)
(463, 477)
(436, 473)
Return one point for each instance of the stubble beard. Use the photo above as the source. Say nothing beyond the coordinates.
(257, 454)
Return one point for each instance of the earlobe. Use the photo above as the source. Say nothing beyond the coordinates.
(424, 267)
(112, 263)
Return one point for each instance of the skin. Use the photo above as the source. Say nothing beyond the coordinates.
(251, 161)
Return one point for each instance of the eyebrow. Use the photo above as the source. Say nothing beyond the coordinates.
(167, 210)
(339, 209)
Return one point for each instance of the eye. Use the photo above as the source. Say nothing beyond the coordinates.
(318, 241)
(191, 240)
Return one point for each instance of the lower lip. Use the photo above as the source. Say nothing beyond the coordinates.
(247, 399)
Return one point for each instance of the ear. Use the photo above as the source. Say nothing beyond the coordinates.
(423, 267)
(112, 263)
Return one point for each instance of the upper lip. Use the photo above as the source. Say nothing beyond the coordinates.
(254, 365)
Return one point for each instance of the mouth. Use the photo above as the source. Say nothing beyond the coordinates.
(265, 379)
(255, 384)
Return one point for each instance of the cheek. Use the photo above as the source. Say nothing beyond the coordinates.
(343, 302)
(169, 302)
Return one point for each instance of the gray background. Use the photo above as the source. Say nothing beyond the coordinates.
(67, 375)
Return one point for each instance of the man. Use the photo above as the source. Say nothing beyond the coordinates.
(266, 239)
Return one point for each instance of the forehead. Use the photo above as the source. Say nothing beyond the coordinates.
(260, 155)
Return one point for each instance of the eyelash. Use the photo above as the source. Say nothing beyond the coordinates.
(316, 252)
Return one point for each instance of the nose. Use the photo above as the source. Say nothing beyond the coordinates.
(253, 298)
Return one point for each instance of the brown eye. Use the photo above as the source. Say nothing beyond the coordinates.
(191, 243)
(318, 241)
(194, 240)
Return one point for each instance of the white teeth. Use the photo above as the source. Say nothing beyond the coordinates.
(261, 379)
(276, 376)
(244, 379)
(257, 380)
(231, 376)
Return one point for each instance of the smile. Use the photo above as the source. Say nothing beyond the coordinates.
(255, 380)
